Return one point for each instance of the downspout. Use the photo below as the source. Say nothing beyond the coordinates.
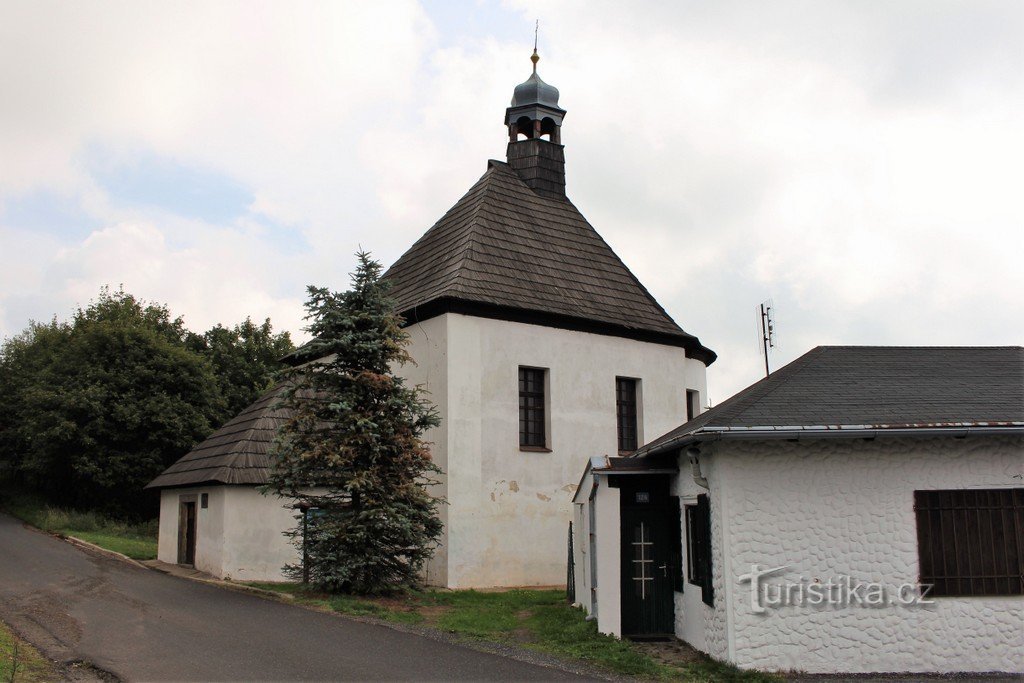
(693, 454)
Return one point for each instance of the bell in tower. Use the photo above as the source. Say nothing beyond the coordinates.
(534, 111)
(534, 122)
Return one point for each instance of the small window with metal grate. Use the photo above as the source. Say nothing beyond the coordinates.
(971, 541)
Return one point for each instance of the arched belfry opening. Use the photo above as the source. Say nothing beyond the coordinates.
(534, 122)
(521, 128)
(550, 128)
(525, 128)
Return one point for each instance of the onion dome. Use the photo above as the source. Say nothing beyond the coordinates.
(534, 90)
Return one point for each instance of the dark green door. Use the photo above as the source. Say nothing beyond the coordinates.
(648, 569)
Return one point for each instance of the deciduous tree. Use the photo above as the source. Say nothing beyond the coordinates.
(115, 403)
(245, 359)
(93, 409)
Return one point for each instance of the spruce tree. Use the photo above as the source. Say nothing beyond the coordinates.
(351, 453)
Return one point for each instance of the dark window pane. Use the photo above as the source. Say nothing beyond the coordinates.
(532, 431)
(625, 407)
(698, 547)
(691, 405)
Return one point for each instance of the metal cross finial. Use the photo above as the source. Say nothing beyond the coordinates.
(535, 57)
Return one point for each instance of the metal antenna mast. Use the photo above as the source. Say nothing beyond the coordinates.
(766, 326)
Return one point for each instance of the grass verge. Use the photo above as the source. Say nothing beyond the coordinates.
(20, 662)
(535, 619)
(344, 604)
(137, 541)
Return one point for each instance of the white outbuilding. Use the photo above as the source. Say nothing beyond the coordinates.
(538, 347)
(860, 510)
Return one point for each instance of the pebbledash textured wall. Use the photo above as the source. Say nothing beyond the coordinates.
(844, 507)
(703, 627)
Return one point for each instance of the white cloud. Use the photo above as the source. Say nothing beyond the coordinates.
(858, 162)
(221, 277)
(736, 151)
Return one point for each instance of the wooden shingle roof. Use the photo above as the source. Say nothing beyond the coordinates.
(234, 454)
(506, 252)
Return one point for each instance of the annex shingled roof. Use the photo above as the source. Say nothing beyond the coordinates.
(506, 247)
(873, 387)
(237, 453)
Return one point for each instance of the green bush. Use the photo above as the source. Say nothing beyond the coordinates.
(136, 540)
(54, 519)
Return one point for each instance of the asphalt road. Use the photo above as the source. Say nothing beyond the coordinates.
(139, 624)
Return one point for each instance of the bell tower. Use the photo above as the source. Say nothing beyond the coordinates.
(534, 122)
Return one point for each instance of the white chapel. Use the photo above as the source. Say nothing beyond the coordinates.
(540, 350)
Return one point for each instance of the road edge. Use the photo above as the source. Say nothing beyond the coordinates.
(86, 545)
(509, 650)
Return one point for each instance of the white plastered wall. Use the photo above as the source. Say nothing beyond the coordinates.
(598, 567)
(844, 507)
(609, 564)
(167, 538)
(209, 527)
(240, 535)
(509, 509)
(428, 346)
(255, 547)
(583, 569)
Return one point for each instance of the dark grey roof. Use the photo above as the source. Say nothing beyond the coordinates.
(507, 252)
(234, 454)
(832, 388)
(535, 91)
(606, 464)
(616, 465)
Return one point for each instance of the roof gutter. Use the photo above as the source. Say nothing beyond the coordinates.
(802, 433)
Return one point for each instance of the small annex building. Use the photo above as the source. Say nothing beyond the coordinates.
(746, 531)
(538, 347)
(212, 513)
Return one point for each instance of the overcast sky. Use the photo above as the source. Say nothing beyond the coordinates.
(860, 163)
